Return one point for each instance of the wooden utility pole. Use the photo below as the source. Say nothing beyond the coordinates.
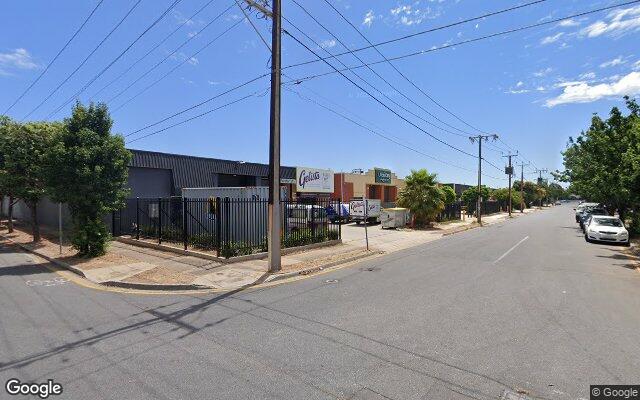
(509, 171)
(541, 171)
(480, 138)
(522, 165)
(274, 206)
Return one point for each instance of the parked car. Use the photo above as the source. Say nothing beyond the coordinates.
(587, 213)
(581, 207)
(606, 229)
(300, 216)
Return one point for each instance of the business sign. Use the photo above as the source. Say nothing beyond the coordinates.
(314, 180)
(383, 175)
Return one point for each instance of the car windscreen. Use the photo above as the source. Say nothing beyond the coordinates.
(597, 211)
(608, 222)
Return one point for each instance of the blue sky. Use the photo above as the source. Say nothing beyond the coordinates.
(534, 88)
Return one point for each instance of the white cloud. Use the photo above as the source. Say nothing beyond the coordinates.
(327, 44)
(520, 84)
(543, 72)
(368, 18)
(181, 19)
(613, 63)
(16, 59)
(617, 23)
(568, 23)
(582, 92)
(636, 66)
(413, 14)
(551, 39)
(588, 75)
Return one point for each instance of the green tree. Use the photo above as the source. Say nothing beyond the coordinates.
(423, 196)
(449, 195)
(601, 163)
(88, 171)
(6, 179)
(470, 196)
(556, 191)
(23, 174)
(530, 192)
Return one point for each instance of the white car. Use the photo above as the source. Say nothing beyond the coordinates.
(603, 228)
(581, 207)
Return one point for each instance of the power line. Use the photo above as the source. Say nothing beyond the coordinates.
(295, 81)
(185, 22)
(438, 28)
(99, 74)
(156, 65)
(402, 74)
(84, 61)
(177, 66)
(199, 104)
(56, 56)
(196, 116)
(394, 88)
(367, 82)
(447, 46)
(376, 99)
(378, 133)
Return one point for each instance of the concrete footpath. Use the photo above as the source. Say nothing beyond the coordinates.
(129, 266)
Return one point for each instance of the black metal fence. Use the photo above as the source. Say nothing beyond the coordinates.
(488, 207)
(230, 227)
(451, 212)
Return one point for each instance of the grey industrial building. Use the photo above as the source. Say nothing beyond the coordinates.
(154, 174)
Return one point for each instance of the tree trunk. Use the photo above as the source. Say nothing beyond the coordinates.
(35, 227)
(10, 215)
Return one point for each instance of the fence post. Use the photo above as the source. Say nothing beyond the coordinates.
(137, 218)
(340, 220)
(218, 226)
(159, 220)
(313, 220)
(185, 233)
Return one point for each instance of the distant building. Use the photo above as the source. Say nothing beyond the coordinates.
(458, 188)
(376, 183)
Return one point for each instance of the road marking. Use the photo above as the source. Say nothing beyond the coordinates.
(510, 250)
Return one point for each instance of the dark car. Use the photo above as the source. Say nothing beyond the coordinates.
(587, 213)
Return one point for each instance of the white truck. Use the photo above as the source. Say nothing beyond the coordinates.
(357, 210)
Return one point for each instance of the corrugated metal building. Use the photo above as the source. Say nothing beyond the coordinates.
(154, 174)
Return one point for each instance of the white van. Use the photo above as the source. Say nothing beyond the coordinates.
(356, 210)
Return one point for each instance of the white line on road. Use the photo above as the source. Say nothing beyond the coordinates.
(510, 250)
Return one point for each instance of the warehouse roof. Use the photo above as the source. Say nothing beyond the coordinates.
(191, 171)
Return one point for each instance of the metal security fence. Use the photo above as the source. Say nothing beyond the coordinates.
(488, 207)
(230, 227)
(450, 212)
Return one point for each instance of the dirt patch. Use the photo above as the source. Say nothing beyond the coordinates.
(162, 275)
(49, 247)
(324, 261)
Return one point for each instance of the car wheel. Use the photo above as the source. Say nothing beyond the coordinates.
(586, 237)
(627, 244)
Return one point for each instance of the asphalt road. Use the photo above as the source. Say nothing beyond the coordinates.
(469, 316)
